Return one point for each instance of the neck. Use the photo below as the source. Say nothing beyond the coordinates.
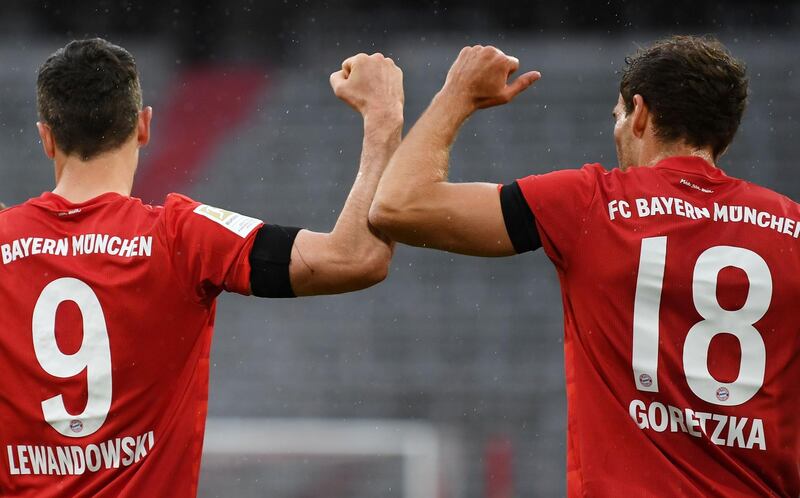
(78, 181)
(653, 156)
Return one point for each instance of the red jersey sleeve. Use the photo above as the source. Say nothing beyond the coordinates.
(210, 247)
(560, 201)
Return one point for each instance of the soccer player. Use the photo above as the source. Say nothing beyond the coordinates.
(109, 303)
(679, 282)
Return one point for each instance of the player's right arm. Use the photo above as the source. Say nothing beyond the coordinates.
(219, 250)
(354, 255)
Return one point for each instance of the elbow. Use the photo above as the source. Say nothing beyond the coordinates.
(367, 269)
(375, 268)
(385, 218)
(377, 273)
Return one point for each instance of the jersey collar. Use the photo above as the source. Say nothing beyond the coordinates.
(56, 203)
(693, 165)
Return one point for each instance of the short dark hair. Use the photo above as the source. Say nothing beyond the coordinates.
(695, 88)
(89, 94)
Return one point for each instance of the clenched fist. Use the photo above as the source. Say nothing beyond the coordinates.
(371, 84)
(479, 78)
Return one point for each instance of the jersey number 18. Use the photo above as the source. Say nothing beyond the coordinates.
(716, 320)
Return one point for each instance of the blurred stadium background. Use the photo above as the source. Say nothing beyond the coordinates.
(451, 371)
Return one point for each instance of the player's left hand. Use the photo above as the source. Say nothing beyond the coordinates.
(479, 78)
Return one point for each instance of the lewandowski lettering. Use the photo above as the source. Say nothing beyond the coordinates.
(77, 460)
(90, 243)
(619, 210)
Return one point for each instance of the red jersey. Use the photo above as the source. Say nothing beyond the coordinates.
(682, 351)
(104, 340)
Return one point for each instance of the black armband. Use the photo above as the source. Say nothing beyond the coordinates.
(269, 261)
(520, 223)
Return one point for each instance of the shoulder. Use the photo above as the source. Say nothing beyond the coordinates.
(11, 211)
(567, 175)
(182, 211)
(559, 183)
(766, 194)
(175, 198)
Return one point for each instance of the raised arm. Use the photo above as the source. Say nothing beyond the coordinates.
(353, 255)
(415, 204)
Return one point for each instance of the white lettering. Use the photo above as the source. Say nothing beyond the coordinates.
(763, 219)
(724, 430)
(77, 244)
(62, 247)
(702, 417)
(38, 458)
(92, 458)
(113, 246)
(110, 452)
(621, 207)
(127, 448)
(12, 468)
(750, 215)
(676, 419)
(145, 246)
(78, 459)
(736, 432)
(64, 460)
(691, 423)
(636, 410)
(100, 243)
(49, 247)
(757, 435)
(642, 208)
(661, 425)
(667, 201)
(141, 451)
(721, 420)
(23, 460)
(720, 213)
(36, 248)
(52, 466)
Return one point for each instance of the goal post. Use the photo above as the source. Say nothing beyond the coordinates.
(420, 447)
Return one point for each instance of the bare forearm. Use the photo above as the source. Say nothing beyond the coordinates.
(423, 157)
(352, 232)
(353, 255)
(418, 170)
(415, 204)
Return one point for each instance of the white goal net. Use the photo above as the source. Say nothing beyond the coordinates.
(316, 458)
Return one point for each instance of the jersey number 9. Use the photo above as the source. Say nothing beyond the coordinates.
(94, 356)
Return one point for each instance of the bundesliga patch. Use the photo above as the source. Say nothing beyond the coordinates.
(237, 223)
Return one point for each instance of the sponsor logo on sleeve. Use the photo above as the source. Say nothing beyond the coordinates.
(239, 224)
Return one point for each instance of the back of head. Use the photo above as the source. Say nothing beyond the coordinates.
(695, 89)
(88, 93)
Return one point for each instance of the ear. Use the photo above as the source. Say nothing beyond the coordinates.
(143, 126)
(48, 142)
(641, 116)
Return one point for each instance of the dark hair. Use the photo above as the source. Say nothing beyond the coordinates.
(696, 90)
(89, 94)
